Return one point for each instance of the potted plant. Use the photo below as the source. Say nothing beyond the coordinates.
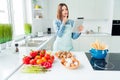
(27, 28)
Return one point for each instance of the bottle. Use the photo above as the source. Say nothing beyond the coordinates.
(49, 30)
(98, 28)
(16, 45)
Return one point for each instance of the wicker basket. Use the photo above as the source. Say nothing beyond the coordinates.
(72, 67)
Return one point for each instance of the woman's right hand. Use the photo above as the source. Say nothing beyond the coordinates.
(80, 28)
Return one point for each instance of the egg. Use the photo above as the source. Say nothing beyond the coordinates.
(76, 63)
(64, 63)
(67, 64)
(62, 60)
(73, 59)
(69, 60)
(71, 65)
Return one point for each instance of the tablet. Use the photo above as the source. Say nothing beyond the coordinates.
(77, 23)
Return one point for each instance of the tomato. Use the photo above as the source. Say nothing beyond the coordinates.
(38, 57)
(26, 60)
(44, 51)
(33, 54)
(39, 61)
(42, 54)
(44, 59)
(33, 61)
(50, 61)
(46, 65)
(38, 51)
(47, 56)
(52, 57)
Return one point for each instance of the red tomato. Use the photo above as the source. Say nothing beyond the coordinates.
(33, 54)
(26, 60)
(33, 61)
(46, 65)
(50, 61)
(38, 51)
(47, 56)
(42, 54)
(52, 57)
(43, 51)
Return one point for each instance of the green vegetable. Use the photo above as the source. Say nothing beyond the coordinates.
(33, 69)
(5, 33)
(1, 33)
(27, 28)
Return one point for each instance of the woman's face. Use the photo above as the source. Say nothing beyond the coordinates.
(64, 11)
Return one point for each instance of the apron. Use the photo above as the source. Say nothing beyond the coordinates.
(64, 43)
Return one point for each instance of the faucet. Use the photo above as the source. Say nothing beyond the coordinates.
(27, 37)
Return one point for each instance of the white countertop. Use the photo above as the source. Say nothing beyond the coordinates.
(11, 67)
(84, 72)
(11, 61)
(96, 35)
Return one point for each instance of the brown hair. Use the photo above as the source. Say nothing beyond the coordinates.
(59, 11)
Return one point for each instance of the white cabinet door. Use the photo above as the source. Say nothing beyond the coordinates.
(89, 9)
(39, 15)
(115, 44)
(116, 10)
(83, 43)
(81, 8)
(102, 9)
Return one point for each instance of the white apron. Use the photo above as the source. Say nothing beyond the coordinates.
(64, 43)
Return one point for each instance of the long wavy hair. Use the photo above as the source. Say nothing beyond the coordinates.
(59, 11)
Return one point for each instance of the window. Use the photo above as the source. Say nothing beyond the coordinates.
(18, 19)
(4, 12)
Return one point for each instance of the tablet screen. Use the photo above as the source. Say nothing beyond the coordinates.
(77, 23)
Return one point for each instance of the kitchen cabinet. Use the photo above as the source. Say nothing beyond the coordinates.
(9, 63)
(37, 9)
(102, 9)
(94, 9)
(116, 10)
(39, 14)
(115, 44)
(83, 43)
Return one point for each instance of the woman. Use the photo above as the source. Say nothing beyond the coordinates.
(63, 28)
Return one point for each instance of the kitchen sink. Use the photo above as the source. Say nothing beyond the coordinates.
(32, 42)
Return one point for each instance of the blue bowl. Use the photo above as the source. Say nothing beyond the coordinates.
(99, 54)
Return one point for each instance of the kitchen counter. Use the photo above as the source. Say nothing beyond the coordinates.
(10, 61)
(95, 34)
(84, 72)
(11, 65)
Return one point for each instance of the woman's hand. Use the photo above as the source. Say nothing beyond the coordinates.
(80, 28)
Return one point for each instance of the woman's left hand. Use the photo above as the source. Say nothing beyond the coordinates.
(80, 28)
